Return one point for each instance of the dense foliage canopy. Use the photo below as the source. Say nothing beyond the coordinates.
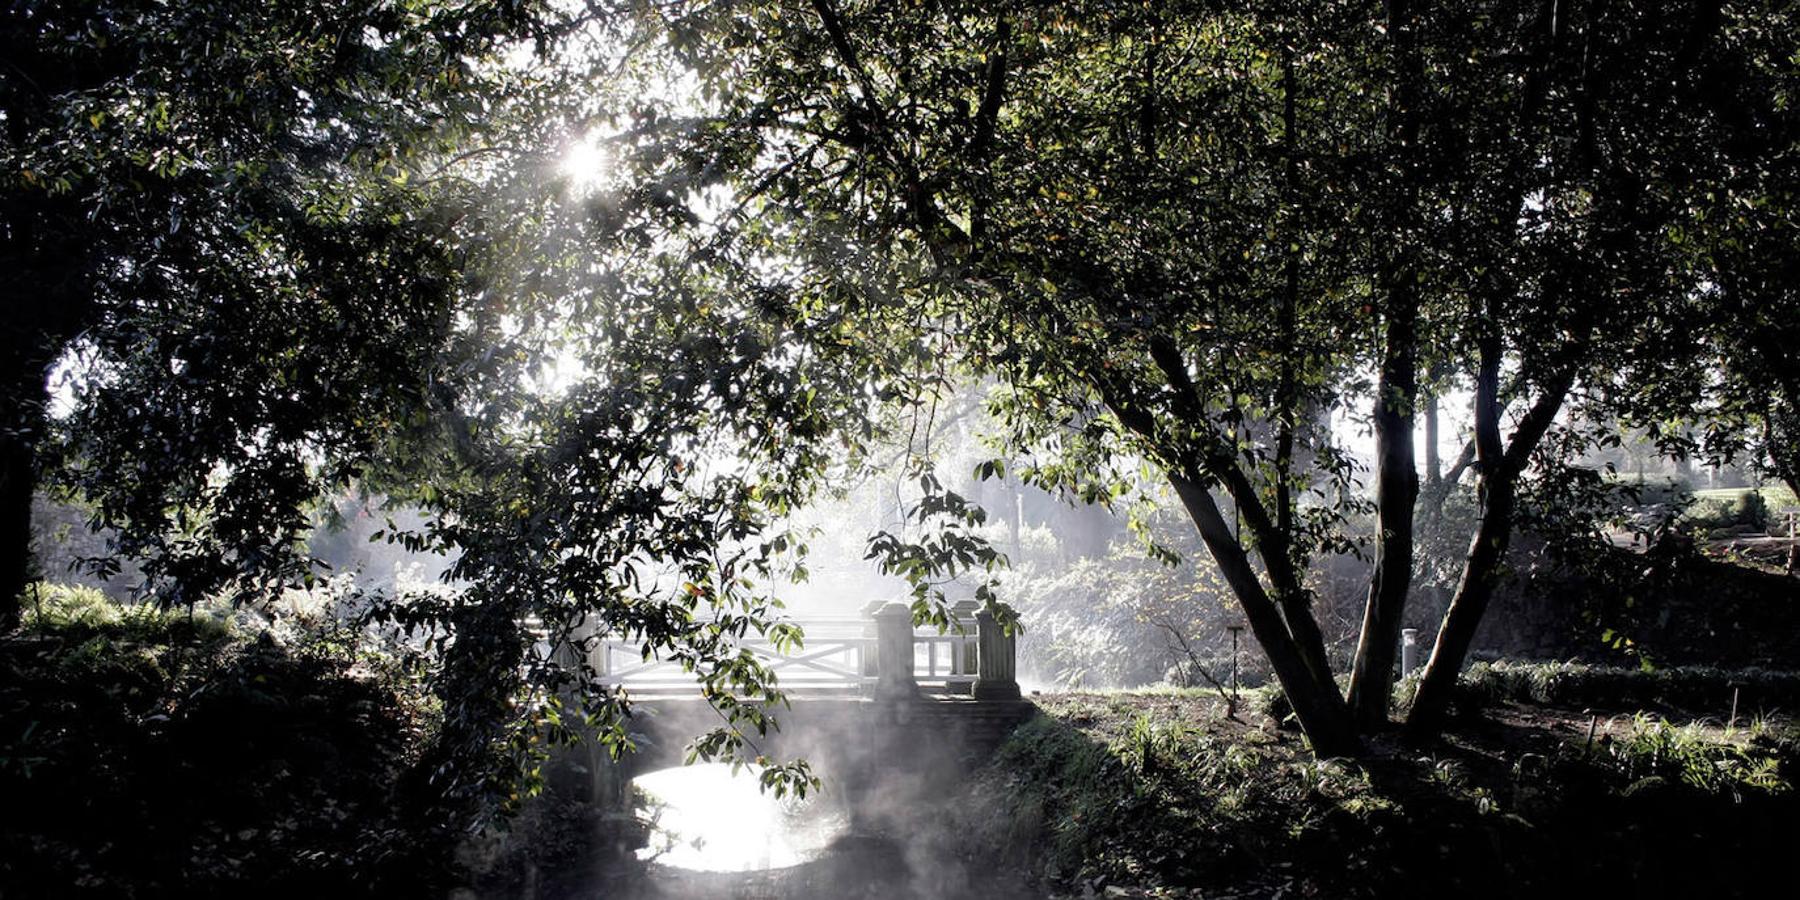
(1183, 233)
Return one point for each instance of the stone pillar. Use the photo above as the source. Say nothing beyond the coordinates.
(996, 679)
(1409, 649)
(869, 653)
(964, 658)
(572, 653)
(572, 772)
(599, 656)
(894, 653)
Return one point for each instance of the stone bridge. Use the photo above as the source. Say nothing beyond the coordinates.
(872, 699)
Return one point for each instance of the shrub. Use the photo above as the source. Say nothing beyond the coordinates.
(49, 605)
(1701, 688)
(75, 611)
(1753, 510)
(1657, 749)
(148, 753)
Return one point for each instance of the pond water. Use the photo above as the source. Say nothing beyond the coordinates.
(716, 834)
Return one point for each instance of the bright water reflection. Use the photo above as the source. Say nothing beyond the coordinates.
(708, 819)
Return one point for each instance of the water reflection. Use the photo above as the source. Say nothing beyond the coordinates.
(716, 836)
(706, 818)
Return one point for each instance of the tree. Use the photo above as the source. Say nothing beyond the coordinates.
(1739, 229)
(1114, 318)
(266, 261)
(1176, 232)
(208, 232)
(1576, 285)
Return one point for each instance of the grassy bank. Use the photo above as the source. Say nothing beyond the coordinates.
(1160, 795)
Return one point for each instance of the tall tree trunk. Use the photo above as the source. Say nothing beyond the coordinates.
(17, 479)
(1289, 634)
(21, 389)
(1273, 544)
(1501, 467)
(1295, 653)
(1434, 463)
(1275, 547)
(28, 349)
(1396, 396)
(21, 421)
(1317, 704)
(1397, 491)
(1285, 400)
(1486, 549)
(47, 305)
(1481, 571)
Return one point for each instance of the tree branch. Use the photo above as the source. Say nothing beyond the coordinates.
(942, 237)
(1181, 643)
(987, 118)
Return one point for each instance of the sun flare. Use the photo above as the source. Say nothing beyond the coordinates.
(584, 163)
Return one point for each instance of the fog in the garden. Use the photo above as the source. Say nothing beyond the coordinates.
(1099, 610)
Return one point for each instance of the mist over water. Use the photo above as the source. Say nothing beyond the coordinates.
(708, 818)
(715, 834)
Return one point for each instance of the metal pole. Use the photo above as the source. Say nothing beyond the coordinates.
(1234, 629)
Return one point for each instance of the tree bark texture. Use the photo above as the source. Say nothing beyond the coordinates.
(1397, 491)
(1501, 467)
(17, 479)
(1396, 397)
(1481, 571)
(21, 426)
(1316, 701)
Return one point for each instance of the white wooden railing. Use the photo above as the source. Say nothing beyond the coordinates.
(838, 655)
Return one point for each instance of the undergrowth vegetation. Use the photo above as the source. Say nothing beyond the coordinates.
(1161, 791)
(195, 753)
(1702, 690)
(1657, 749)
